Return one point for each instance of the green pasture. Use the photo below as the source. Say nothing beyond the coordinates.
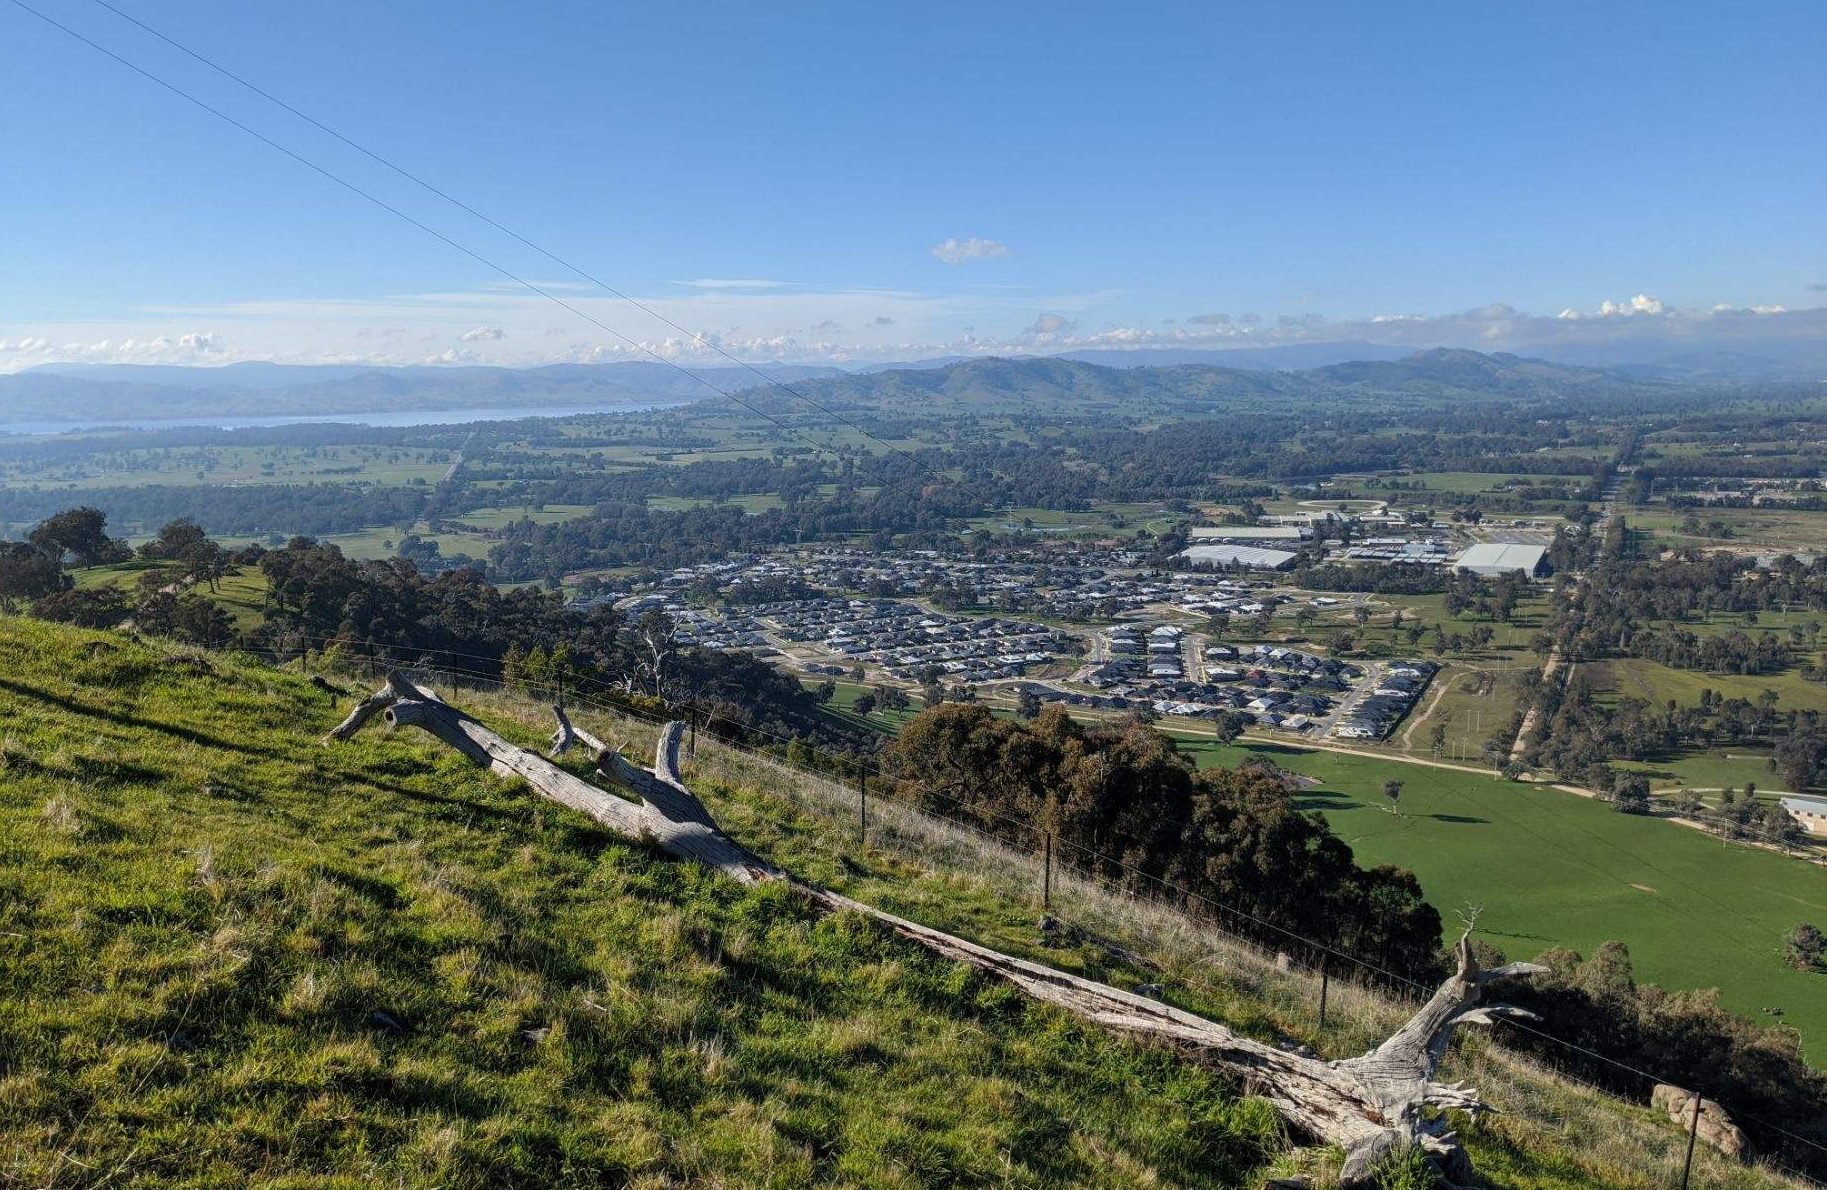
(1554, 869)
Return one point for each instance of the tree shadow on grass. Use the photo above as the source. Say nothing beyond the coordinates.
(124, 719)
(1271, 749)
(1325, 801)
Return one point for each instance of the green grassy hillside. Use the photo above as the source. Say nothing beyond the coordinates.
(231, 956)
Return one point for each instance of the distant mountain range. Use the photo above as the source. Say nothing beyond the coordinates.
(1060, 385)
(1702, 360)
(1086, 382)
(1289, 356)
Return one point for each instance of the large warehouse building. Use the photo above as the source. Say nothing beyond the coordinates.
(1492, 559)
(1251, 556)
(1247, 533)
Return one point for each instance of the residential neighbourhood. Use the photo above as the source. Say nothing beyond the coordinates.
(1100, 631)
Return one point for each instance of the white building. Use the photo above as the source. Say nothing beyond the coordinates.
(1250, 533)
(1810, 813)
(1492, 559)
(1238, 555)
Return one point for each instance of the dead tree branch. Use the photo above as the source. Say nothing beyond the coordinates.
(1372, 1106)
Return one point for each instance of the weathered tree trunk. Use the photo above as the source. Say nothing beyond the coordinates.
(1371, 1106)
(566, 735)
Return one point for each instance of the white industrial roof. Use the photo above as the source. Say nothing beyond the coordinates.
(1499, 557)
(1244, 555)
(1249, 533)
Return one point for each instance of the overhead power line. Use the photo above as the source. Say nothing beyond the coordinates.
(466, 250)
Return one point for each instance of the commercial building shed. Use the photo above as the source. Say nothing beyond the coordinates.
(1250, 533)
(1810, 813)
(1251, 556)
(1494, 558)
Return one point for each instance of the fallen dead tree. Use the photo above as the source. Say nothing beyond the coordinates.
(1372, 1106)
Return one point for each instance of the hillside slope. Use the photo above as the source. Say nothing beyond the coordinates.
(232, 956)
(1061, 386)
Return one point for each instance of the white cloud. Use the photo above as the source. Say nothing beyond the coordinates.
(732, 283)
(796, 324)
(452, 355)
(1641, 304)
(956, 251)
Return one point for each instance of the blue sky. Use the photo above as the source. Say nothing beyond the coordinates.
(1104, 175)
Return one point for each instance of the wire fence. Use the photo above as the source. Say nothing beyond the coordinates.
(1350, 989)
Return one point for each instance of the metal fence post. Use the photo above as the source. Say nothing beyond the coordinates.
(1325, 983)
(862, 805)
(1693, 1130)
(691, 749)
(1046, 870)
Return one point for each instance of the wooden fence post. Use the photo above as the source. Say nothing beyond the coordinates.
(1325, 983)
(1693, 1130)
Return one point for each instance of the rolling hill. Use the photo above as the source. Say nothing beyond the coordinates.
(1066, 387)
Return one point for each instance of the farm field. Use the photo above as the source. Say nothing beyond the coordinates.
(1459, 482)
(842, 708)
(1554, 869)
(752, 503)
(387, 465)
(381, 542)
(1474, 700)
(1753, 530)
(1709, 769)
(1100, 520)
(1778, 621)
(498, 518)
(1509, 640)
(1637, 677)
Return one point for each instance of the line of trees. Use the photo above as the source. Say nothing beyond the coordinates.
(1121, 800)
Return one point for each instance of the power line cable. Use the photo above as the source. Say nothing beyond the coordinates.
(505, 230)
(517, 279)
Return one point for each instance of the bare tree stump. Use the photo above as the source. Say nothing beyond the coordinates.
(1374, 1106)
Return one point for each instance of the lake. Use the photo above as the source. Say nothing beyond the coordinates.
(390, 417)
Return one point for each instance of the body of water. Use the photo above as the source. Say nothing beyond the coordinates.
(390, 418)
